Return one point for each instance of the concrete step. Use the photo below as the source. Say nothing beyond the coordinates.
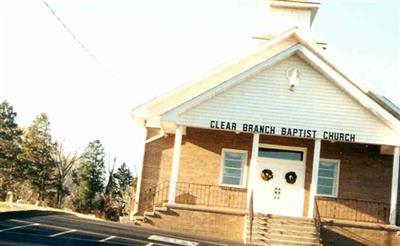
(292, 238)
(286, 230)
(281, 217)
(283, 226)
(292, 221)
(269, 242)
(150, 214)
(275, 224)
(303, 223)
(284, 233)
(257, 242)
(298, 237)
(262, 243)
(282, 230)
(154, 214)
(139, 218)
(161, 209)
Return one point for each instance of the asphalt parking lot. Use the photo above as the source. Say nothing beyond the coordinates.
(35, 228)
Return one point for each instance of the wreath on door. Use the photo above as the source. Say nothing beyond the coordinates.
(291, 177)
(267, 174)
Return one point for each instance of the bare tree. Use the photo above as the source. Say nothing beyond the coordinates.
(65, 164)
(110, 187)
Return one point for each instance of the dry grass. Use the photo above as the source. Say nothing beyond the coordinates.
(7, 207)
(4, 207)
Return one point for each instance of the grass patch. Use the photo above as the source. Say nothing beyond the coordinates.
(6, 207)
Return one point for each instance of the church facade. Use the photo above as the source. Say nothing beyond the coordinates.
(281, 134)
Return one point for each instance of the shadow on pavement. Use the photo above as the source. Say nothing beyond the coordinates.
(29, 214)
(11, 239)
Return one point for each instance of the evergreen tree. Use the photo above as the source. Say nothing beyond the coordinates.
(123, 177)
(37, 157)
(10, 140)
(126, 184)
(89, 176)
(117, 194)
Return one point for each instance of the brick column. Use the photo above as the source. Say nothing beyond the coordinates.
(175, 164)
(253, 163)
(395, 185)
(314, 179)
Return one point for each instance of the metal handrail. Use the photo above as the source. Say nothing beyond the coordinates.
(210, 195)
(350, 199)
(251, 216)
(354, 209)
(317, 216)
(195, 194)
(155, 195)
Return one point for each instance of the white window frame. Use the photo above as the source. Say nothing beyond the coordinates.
(285, 147)
(244, 174)
(337, 178)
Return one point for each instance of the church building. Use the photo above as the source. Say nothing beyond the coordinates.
(280, 147)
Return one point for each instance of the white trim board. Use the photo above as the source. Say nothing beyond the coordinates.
(244, 174)
(337, 162)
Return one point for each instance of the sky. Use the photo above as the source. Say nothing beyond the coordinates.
(142, 49)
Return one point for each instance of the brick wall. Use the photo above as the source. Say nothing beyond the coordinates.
(201, 154)
(364, 183)
(364, 173)
(156, 166)
(209, 224)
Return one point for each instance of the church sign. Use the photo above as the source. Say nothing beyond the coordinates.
(283, 131)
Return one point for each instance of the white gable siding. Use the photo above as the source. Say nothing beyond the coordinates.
(316, 104)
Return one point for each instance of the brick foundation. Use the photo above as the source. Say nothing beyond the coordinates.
(202, 223)
(359, 234)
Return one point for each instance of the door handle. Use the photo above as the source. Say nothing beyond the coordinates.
(277, 193)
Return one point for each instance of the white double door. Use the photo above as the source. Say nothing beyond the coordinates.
(277, 195)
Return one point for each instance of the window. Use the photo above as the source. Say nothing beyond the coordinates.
(328, 178)
(280, 154)
(233, 167)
